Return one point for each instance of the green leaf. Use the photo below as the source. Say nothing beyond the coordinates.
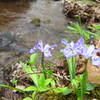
(34, 94)
(49, 73)
(14, 82)
(83, 86)
(84, 82)
(35, 78)
(64, 91)
(90, 87)
(67, 91)
(33, 59)
(47, 82)
(29, 70)
(30, 88)
(79, 29)
(97, 27)
(27, 98)
(79, 97)
(53, 84)
(72, 67)
(12, 88)
(43, 89)
(71, 28)
(41, 80)
(75, 84)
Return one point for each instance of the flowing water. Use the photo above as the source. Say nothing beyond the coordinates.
(18, 34)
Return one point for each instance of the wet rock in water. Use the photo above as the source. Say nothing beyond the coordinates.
(87, 12)
(6, 39)
(9, 41)
(36, 21)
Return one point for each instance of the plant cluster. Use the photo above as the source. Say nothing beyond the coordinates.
(43, 80)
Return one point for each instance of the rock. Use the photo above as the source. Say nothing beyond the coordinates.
(9, 41)
(36, 21)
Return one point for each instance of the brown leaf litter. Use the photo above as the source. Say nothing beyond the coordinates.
(87, 12)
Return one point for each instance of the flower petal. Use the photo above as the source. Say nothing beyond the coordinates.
(81, 41)
(40, 45)
(96, 61)
(47, 47)
(68, 52)
(47, 53)
(65, 42)
(88, 52)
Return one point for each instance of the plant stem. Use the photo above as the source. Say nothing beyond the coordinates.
(84, 82)
(34, 95)
(43, 66)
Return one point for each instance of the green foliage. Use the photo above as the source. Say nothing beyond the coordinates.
(82, 86)
(90, 87)
(96, 30)
(97, 27)
(79, 29)
(64, 91)
(33, 59)
(72, 67)
(41, 85)
(27, 98)
(14, 82)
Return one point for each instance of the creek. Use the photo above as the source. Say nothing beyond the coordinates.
(17, 32)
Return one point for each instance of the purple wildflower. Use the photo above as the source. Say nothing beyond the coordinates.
(69, 50)
(79, 48)
(91, 52)
(45, 49)
(88, 52)
(79, 45)
(72, 48)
